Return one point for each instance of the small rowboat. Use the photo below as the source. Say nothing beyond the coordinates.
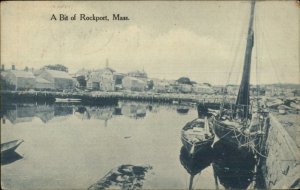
(67, 100)
(183, 109)
(10, 146)
(196, 135)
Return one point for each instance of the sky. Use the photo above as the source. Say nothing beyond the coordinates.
(203, 40)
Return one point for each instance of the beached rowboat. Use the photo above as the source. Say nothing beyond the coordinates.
(10, 146)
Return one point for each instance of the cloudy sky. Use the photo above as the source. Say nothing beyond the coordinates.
(202, 40)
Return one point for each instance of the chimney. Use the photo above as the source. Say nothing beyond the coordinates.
(13, 67)
(26, 69)
(2, 68)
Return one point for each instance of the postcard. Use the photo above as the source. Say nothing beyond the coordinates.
(150, 95)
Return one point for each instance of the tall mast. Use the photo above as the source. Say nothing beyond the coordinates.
(243, 97)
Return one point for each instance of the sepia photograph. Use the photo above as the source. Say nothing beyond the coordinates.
(105, 95)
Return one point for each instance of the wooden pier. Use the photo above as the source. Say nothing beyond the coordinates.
(98, 97)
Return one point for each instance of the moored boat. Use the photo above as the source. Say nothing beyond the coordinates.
(10, 146)
(196, 135)
(67, 100)
(239, 124)
(183, 109)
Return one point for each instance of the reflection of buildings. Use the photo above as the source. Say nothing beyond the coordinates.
(45, 112)
(26, 112)
(101, 113)
(60, 110)
(21, 113)
(133, 110)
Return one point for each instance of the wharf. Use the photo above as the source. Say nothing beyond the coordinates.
(99, 97)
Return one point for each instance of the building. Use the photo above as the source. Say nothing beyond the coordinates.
(138, 74)
(43, 84)
(21, 80)
(185, 88)
(118, 78)
(61, 80)
(133, 84)
(232, 89)
(160, 86)
(101, 79)
(202, 89)
(81, 77)
(219, 89)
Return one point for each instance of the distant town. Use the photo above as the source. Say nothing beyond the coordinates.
(57, 78)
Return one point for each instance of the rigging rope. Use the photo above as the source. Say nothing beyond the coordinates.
(271, 61)
(235, 55)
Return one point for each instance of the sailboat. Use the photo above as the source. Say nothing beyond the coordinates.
(242, 124)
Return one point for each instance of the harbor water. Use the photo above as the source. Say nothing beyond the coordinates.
(72, 146)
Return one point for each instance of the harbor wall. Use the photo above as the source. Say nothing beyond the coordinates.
(282, 165)
(100, 97)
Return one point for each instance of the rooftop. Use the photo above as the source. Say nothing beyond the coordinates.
(22, 74)
(59, 74)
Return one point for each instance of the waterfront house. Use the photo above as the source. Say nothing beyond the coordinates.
(160, 86)
(101, 79)
(21, 80)
(43, 84)
(118, 77)
(184, 88)
(81, 77)
(133, 84)
(202, 89)
(61, 80)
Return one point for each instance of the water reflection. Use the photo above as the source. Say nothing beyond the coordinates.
(133, 110)
(18, 113)
(137, 137)
(233, 169)
(194, 165)
(10, 158)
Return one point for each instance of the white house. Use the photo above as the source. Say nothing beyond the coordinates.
(101, 79)
(133, 84)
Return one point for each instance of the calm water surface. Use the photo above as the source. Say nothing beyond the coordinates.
(73, 146)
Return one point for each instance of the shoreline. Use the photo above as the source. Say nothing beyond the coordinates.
(100, 97)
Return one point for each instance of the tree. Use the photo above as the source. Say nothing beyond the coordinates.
(184, 80)
(82, 81)
(57, 67)
(150, 85)
(207, 84)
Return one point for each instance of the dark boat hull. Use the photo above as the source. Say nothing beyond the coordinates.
(233, 137)
(182, 110)
(199, 147)
(10, 147)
